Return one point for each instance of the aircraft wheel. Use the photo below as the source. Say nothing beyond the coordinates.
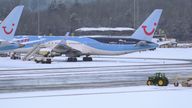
(90, 59)
(84, 58)
(72, 59)
(87, 59)
(48, 61)
(12, 57)
(69, 59)
(36, 61)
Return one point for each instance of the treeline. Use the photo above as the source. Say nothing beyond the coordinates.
(60, 17)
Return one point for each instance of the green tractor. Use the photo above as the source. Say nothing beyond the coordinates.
(158, 79)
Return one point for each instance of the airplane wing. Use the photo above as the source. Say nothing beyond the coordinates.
(33, 42)
(65, 49)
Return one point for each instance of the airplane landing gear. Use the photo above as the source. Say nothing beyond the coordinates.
(72, 59)
(87, 59)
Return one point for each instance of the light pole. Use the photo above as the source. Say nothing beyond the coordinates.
(38, 18)
(110, 21)
(137, 5)
(134, 14)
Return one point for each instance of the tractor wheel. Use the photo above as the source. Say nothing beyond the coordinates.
(161, 82)
(166, 82)
(149, 83)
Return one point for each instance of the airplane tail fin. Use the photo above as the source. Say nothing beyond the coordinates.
(147, 29)
(9, 25)
(67, 34)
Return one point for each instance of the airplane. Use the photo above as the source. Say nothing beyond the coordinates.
(19, 44)
(8, 42)
(74, 47)
(46, 41)
(8, 28)
(140, 40)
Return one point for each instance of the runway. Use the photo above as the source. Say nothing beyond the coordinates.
(41, 79)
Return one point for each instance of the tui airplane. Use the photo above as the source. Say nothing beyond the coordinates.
(140, 40)
(8, 28)
(7, 32)
(86, 46)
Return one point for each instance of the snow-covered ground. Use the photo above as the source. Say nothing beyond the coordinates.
(170, 53)
(127, 97)
(128, 59)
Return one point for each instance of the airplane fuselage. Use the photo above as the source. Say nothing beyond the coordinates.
(95, 45)
(6, 46)
(107, 45)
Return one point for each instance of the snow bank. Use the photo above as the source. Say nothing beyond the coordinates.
(134, 97)
(170, 53)
(105, 29)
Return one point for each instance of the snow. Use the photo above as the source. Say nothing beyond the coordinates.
(135, 97)
(60, 62)
(169, 53)
(181, 56)
(105, 29)
(121, 97)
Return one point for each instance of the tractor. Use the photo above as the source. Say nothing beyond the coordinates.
(158, 79)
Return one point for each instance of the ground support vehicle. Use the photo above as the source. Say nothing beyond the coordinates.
(158, 79)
